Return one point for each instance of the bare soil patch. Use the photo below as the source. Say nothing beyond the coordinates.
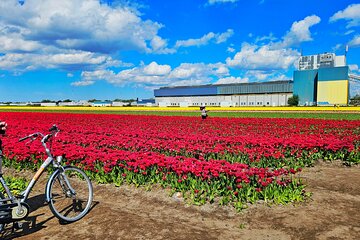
(126, 212)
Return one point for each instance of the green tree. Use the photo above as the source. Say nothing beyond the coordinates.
(355, 100)
(294, 100)
(46, 101)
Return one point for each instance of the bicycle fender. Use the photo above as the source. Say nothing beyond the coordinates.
(47, 189)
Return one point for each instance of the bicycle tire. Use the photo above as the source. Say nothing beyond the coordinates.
(2, 225)
(65, 205)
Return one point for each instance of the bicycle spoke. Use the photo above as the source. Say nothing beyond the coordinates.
(71, 194)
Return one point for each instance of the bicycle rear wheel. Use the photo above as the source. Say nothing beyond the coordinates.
(71, 194)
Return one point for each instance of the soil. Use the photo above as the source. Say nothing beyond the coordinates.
(127, 212)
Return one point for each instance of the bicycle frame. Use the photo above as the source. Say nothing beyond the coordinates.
(25, 194)
(14, 208)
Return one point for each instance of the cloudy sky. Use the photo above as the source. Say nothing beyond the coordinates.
(107, 49)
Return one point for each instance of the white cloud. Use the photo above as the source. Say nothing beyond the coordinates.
(354, 67)
(262, 58)
(204, 40)
(223, 37)
(349, 32)
(159, 45)
(77, 58)
(337, 47)
(155, 74)
(11, 43)
(355, 42)
(80, 25)
(354, 88)
(198, 71)
(274, 55)
(195, 42)
(82, 83)
(212, 2)
(155, 69)
(220, 69)
(231, 79)
(230, 49)
(70, 75)
(271, 75)
(351, 14)
(70, 60)
(299, 32)
(259, 75)
(270, 38)
(71, 34)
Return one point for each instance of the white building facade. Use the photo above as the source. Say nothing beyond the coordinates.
(274, 93)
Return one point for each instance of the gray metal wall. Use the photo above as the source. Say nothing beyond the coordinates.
(274, 93)
(252, 100)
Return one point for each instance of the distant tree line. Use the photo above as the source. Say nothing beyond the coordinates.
(355, 100)
(69, 100)
(294, 100)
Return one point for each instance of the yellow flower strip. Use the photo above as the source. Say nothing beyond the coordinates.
(182, 109)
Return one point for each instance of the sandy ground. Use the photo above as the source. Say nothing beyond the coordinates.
(126, 212)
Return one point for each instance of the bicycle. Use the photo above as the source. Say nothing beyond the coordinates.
(68, 191)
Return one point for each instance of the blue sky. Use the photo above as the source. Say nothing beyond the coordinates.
(109, 49)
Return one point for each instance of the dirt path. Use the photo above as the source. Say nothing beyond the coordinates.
(130, 213)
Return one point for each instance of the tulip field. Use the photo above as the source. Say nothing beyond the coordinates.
(233, 161)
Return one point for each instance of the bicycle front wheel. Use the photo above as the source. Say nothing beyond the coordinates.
(71, 194)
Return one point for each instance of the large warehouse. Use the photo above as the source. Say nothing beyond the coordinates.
(274, 93)
(321, 79)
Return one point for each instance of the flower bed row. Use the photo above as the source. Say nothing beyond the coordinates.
(232, 160)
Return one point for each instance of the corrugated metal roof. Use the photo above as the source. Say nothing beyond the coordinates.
(227, 89)
(186, 91)
(256, 88)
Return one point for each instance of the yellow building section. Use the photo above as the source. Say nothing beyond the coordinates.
(333, 92)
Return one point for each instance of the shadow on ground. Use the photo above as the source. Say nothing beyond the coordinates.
(31, 223)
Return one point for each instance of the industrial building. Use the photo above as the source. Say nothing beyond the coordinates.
(321, 79)
(275, 93)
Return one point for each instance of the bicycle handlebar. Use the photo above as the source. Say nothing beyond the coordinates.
(45, 138)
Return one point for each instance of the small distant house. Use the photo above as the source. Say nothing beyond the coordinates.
(72, 103)
(20, 104)
(146, 102)
(119, 104)
(83, 103)
(48, 104)
(102, 104)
